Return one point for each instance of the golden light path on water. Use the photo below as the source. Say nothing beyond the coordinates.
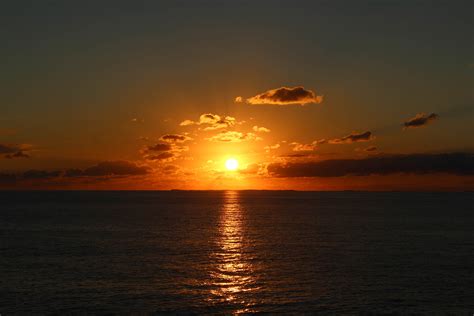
(233, 278)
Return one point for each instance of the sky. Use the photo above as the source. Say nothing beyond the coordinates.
(305, 95)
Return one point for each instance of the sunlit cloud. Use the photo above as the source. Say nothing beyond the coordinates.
(453, 163)
(421, 119)
(260, 129)
(211, 121)
(233, 137)
(285, 96)
(271, 147)
(353, 138)
(302, 147)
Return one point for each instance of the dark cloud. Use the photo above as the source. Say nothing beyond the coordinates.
(12, 151)
(18, 154)
(285, 96)
(109, 168)
(370, 149)
(164, 156)
(452, 163)
(103, 170)
(421, 119)
(7, 178)
(175, 138)
(115, 168)
(353, 138)
(159, 147)
(40, 174)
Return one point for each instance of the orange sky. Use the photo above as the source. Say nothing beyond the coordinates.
(159, 97)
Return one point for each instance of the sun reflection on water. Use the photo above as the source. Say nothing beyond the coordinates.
(233, 278)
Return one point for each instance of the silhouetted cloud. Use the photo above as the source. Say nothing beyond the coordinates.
(159, 147)
(260, 129)
(421, 119)
(175, 138)
(7, 178)
(212, 121)
(285, 96)
(164, 156)
(18, 154)
(233, 137)
(115, 168)
(353, 138)
(108, 168)
(40, 174)
(453, 163)
(11, 151)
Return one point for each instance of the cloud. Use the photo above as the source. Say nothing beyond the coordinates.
(320, 142)
(18, 154)
(40, 174)
(175, 138)
(103, 170)
(353, 138)
(115, 168)
(453, 163)
(164, 156)
(370, 149)
(260, 129)
(302, 147)
(421, 119)
(233, 137)
(239, 99)
(159, 147)
(250, 169)
(166, 151)
(212, 121)
(271, 147)
(7, 178)
(187, 123)
(286, 96)
(11, 151)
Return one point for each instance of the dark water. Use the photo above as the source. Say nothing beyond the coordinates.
(230, 252)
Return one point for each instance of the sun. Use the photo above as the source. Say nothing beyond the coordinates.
(231, 164)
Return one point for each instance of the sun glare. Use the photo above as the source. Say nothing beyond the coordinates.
(231, 164)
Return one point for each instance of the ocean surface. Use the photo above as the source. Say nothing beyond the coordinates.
(226, 252)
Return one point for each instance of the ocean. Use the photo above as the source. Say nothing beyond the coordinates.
(228, 252)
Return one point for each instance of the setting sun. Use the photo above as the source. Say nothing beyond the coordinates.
(231, 164)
